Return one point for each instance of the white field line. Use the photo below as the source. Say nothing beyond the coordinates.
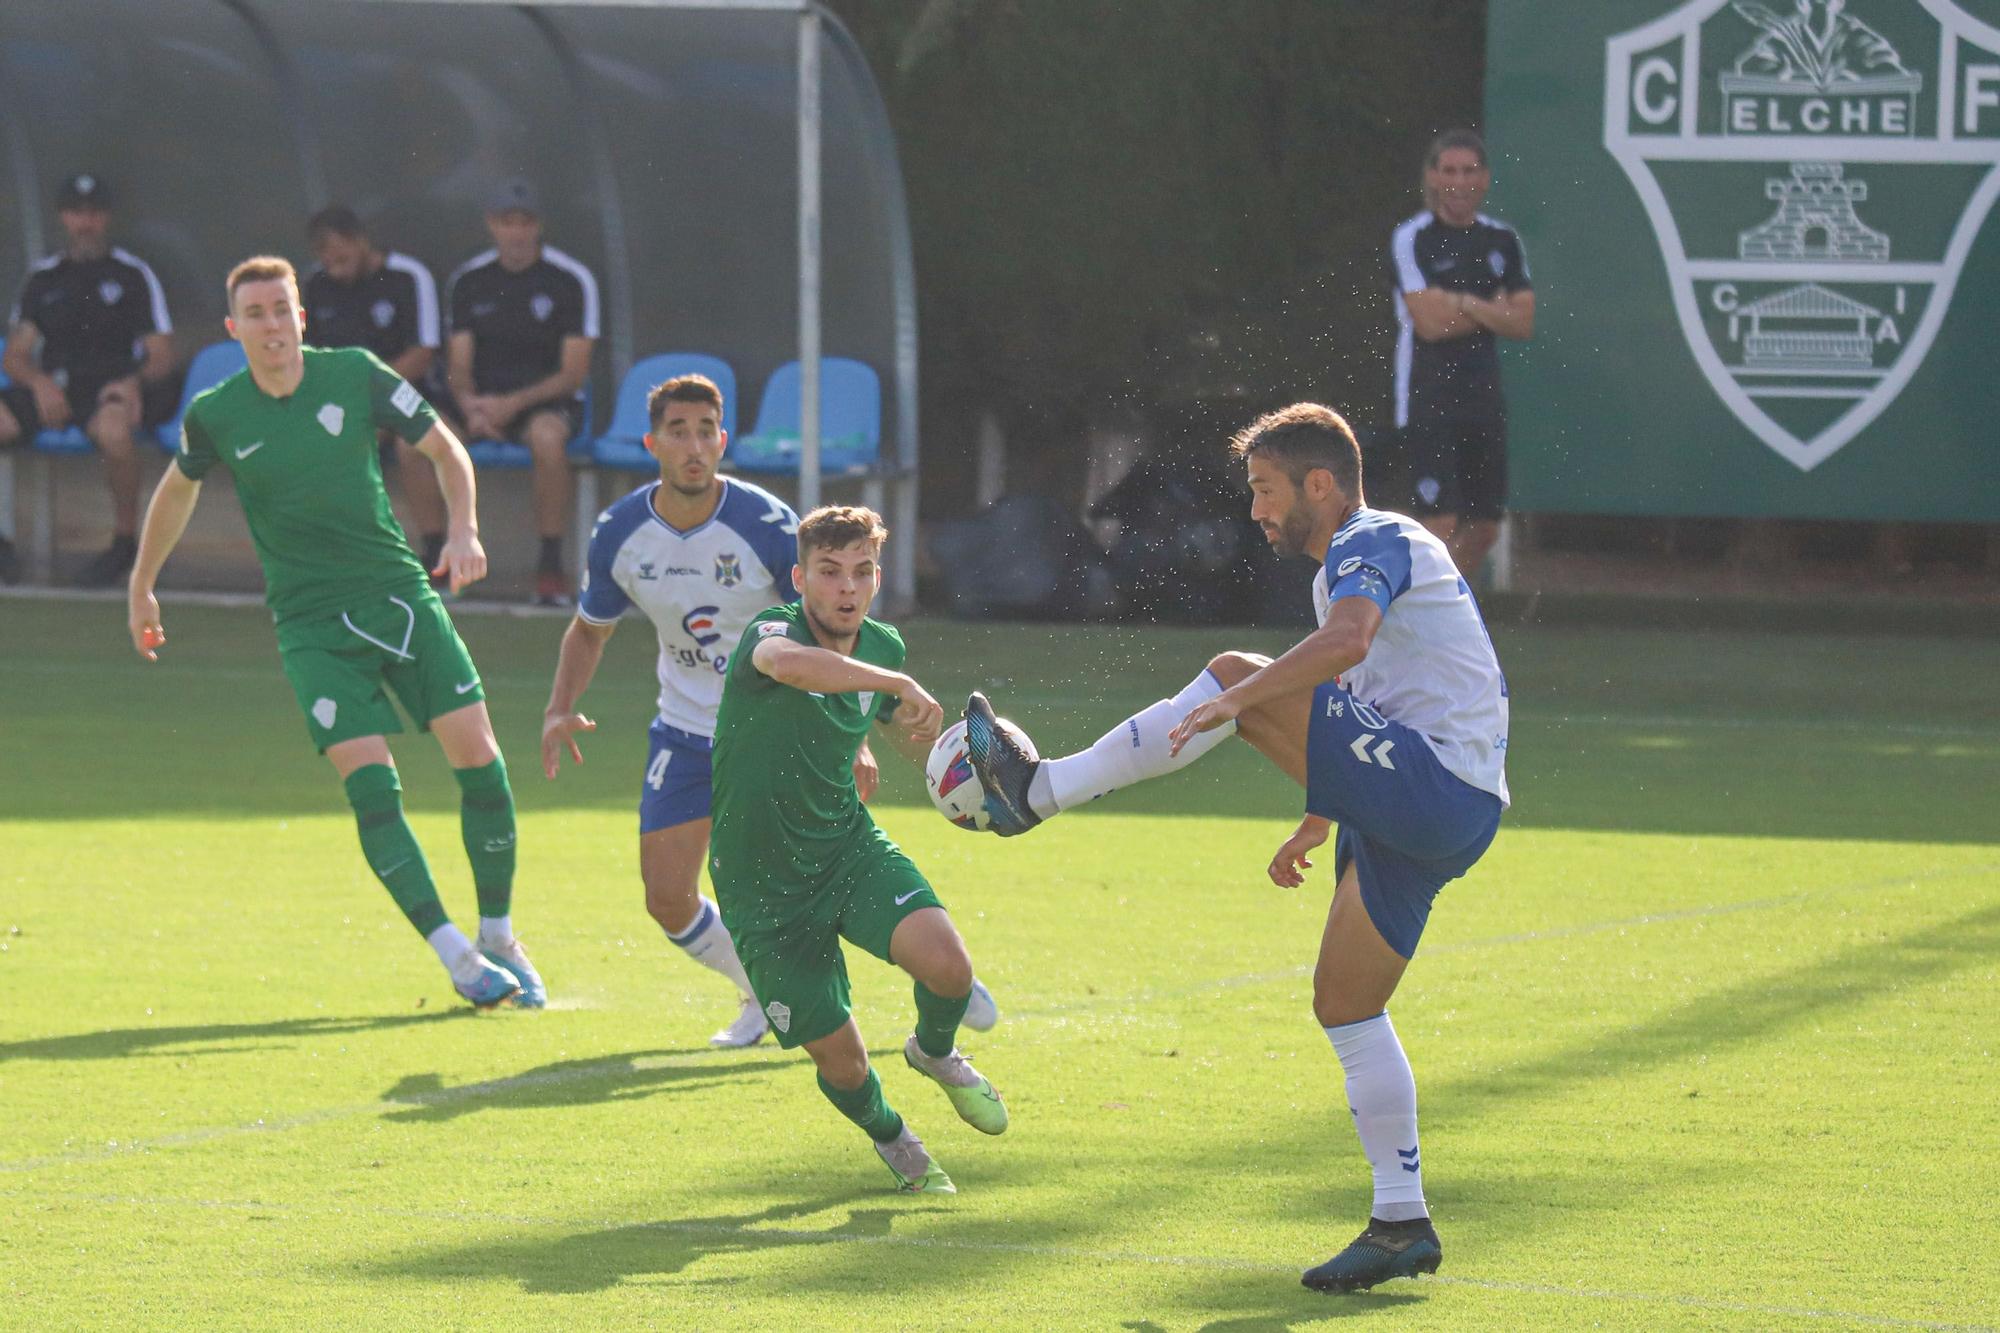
(472, 1092)
(751, 1235)
(1541, 717)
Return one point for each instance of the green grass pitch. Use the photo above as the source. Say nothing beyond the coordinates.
(1707, 1040)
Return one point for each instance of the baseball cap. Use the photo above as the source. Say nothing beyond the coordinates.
(515, 194)
(83, 190)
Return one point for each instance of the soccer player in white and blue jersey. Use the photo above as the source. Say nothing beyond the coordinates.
(1392, 716)
(698, 554)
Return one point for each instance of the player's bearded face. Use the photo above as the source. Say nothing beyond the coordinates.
(688, 441)
(839, 586)
(1277, 507)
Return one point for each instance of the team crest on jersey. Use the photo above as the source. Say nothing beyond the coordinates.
(728, 569)
(541, 306)
(780, 1015)
(332, 416)
(383, 313)
(1816, 172)
(110, 290)
(699, 625)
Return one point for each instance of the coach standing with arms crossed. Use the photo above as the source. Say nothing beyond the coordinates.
(1461, 282)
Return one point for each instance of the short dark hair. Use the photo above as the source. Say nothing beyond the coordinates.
(260, 268)
(1458, 138)
(335, 220)
(831, 527)
(1300, 438)
(682, 389)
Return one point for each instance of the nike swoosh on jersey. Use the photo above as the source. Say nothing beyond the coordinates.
(461, 689)
(249, 449)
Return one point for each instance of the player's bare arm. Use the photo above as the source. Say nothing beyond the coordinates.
(458, 374)
(463, 559)
(1319, 657)
(867, 772)
(576, 665)
(156, 357)
(823, 671)
(1507, 314)
(167, 517)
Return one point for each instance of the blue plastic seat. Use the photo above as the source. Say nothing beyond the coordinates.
(623, 444)
(508, 454)
(850, 420)
(211, 366)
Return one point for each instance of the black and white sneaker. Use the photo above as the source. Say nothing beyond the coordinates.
(1005, 767)
(1383, 1251)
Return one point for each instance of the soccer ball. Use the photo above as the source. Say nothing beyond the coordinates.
(953, 786)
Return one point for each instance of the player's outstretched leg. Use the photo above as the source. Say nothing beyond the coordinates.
(858, 1095)
(1384, 1250)
(1022, 792)
(486, 823)
(928, 947)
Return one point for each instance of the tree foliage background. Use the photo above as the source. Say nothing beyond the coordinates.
(1125, 208)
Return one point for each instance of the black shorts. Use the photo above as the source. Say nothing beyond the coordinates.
(441, 397)
(1458, 465)
(81, 390)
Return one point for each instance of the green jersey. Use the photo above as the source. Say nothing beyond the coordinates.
(783, 786)
(309, 476)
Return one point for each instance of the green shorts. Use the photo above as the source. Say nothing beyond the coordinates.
(339, 663)
(792, 954)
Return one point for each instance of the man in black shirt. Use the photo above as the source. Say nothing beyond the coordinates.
(1461, 280)
(363, 296)
(523, 321)
(90, 324)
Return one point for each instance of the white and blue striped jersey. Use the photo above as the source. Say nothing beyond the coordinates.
(699, 588)
(1432, 666)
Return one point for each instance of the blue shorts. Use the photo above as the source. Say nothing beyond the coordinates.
(675, 788)
(1407, 823)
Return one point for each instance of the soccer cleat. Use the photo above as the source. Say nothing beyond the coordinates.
(1383, 1251)
(551, 589)
(493, 986)
(980, 1011)
(971, 1095)
(910, 1163)
(109, 567)
(1005, 770)
(748, 1029)
(511, 957)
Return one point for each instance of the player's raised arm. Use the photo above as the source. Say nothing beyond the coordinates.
(167, 517)
(823, 671)
(582, 649)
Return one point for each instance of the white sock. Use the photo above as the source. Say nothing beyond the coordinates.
(497, 931)
(455, 952)
(706, 940)
(1134, 750)
(1382, 1095)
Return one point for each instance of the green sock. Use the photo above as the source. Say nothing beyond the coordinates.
(486, 818)
(938, 1020)
(376, 794)
(865, 1107)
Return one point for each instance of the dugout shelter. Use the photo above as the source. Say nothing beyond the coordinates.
(725, 167)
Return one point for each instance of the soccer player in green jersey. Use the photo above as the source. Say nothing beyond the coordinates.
(354, 609)
(798, 863)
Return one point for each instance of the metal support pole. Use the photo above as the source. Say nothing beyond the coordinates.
(809, 259)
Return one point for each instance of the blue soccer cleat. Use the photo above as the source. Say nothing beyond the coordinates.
(1005, 769)
(1383, 1251)
(492, 987)
(512, 958)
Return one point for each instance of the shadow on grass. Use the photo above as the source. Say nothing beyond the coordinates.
(210, 1039)
(611, 1078)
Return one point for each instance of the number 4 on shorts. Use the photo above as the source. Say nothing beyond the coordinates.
(656, 772)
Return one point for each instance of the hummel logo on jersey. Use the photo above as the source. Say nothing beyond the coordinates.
(1334, 708)
(469, 686)
(249, 449)
(332, 416)
(1360, 748)
(906, 897)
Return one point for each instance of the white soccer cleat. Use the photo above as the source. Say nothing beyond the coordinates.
(910, 1162)
(748, 1029)
(981, 1013)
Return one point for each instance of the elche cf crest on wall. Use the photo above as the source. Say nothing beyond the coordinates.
(1816, 172)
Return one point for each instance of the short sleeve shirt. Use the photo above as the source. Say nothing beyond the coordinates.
(309, 477)
(388, 311)
(1459, 376)
(784, 792)
(93, 314)
(518, 321)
